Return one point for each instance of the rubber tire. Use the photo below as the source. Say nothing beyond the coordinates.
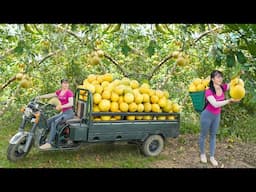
(13, 154)
(153, 145)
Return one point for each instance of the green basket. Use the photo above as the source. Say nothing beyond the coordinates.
(198, 100)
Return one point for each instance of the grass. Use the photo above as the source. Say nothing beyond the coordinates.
(189, 127)
(118, 155)
(92, 156)
(242, 129)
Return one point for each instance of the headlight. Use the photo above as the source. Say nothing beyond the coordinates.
(22, 109)
(28, 112)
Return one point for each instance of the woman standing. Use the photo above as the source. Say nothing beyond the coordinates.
(210, 117)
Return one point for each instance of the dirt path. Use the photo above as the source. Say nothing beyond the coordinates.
(183, 152)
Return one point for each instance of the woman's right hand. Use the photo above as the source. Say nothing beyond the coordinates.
(58, 107)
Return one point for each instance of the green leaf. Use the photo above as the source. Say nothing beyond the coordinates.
(160, 28)
(165, 26)
(236, 72)
(233, 26)
(245, 27)
(125, 47)
(240, 57)
(115, 28)
(73, 27)
(28, 28)
(20, 47)
(202, 27)
(45, 50)
(217, 61)
(253, 28)
(243, 47)
(252, 48)
(230, 59)
(151, 48)
(37, 30)
(107, 28)
(144, 81)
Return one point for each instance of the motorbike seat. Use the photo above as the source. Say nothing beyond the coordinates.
(79, 113)
(74, 120)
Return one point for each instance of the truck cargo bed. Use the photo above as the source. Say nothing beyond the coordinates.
(121, 130)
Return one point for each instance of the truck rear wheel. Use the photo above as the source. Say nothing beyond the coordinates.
(153, 145)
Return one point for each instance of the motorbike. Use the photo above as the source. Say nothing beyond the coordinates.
(83, 128)
(36, 114)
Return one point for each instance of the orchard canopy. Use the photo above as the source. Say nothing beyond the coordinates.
(35, 57)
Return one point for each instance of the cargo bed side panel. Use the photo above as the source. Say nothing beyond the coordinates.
(131, 130)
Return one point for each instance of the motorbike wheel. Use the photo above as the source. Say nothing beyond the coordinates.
(15, 151)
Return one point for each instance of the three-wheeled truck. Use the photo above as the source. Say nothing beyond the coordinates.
(149, 135)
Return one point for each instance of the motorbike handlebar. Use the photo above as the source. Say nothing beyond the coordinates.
(48, 104)
(51, 105)
(34, 101)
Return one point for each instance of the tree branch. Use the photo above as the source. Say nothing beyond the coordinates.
(115, 62)
(71, 33)
(14, 77)
(74, 35)
(159, 65)
(7, 53)
(205, 33)
(48, 56)
(169, 75)
(185, 99)
(8, 82)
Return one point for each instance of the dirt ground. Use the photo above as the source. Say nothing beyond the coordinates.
(183, 152)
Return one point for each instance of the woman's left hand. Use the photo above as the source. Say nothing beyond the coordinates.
(235, 100)
(58, 107)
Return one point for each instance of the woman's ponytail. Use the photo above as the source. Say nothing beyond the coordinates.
(212, 88)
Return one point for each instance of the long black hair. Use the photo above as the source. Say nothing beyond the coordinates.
(213, 74)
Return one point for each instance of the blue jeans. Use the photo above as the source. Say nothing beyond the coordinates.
(53, 122)
(209, 123)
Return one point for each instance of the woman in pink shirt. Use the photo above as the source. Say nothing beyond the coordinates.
(65, 95)
(210, 117)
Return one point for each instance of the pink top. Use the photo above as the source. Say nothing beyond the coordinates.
(64, 98)
(209, 107)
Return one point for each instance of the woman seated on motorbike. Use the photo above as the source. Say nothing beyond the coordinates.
(65, 95)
